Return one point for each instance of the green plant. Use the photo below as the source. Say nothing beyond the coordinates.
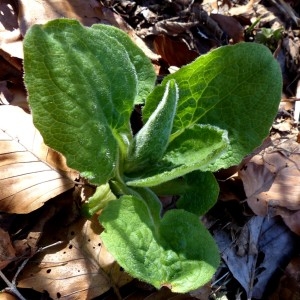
(269, 37)
(83, 84)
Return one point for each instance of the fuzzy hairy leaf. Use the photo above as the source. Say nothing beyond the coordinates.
(236, 88)
(82, 84)
(148, 146)
(194, 149)
(157, 251)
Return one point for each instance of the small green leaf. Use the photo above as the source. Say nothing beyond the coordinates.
(236, 88)
(150, 143)
(82, 85)
(159, 253)
(193, 149)
(198, 191)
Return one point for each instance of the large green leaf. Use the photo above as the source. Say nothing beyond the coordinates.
(236, 88)
(176, 251)
(194, 149)
(82, 84)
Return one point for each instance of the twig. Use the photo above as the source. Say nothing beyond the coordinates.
(27, 259)
(12, 286)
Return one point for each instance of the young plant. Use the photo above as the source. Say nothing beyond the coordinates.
(83, 84)
(269, 37)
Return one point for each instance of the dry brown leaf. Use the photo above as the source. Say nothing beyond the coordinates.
(231, 26)
(11, 43)
(7, 251)
(203, 293)
(88, 12)
(268, 16)
(246, 11)
(117, 21)
(12, 90)
(81, 269)
(8, 17)
(5, 94)
(289, 285)
(174, 51)
(283, 125)
(40, 12)
(254, 10)
(29, 175)
(10, 37)
(7, 296)
(277, 187)
(292, 220)
(271, 182)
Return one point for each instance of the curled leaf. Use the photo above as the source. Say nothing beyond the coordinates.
(150, 143)
(194, 149)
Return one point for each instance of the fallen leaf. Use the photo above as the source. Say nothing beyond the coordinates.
(12, 89)
(27, 179)
(270, 16)
(289, 285)
(292, 220)
(7, 296)
(283, 125)
(269, 248)
(10, 37)
(271, 182)
(33, 237)
(40, 12)
(246, 11)
(11, 43)
(8, 20)
(117, 21)
(231, 26)
(5, 94)
(174, 51)
(7, 251)
(80, 269)
(86, 12)
(171, 27)
(282, 162)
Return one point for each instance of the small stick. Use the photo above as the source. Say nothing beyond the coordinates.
(12, 286)
(27, 259)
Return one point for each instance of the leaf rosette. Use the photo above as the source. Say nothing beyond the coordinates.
(83, 84)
